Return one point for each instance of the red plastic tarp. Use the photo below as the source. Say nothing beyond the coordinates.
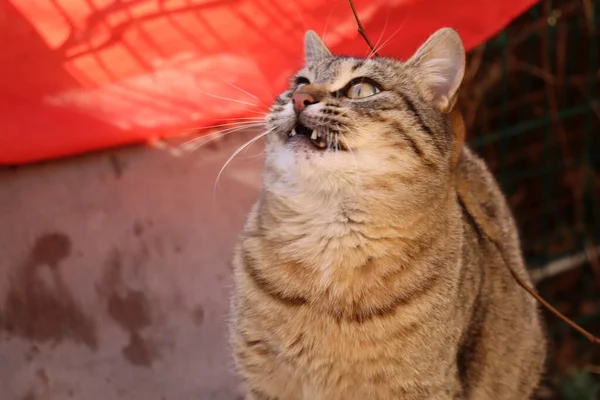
(81, 75)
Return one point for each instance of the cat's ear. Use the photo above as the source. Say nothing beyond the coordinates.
(440, 66)
(314, 48)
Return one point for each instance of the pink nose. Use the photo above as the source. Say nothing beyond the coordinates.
(301, 100)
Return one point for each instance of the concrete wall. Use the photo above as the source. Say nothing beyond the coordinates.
(114, 274)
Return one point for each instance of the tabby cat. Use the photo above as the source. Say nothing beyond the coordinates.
(373, 265)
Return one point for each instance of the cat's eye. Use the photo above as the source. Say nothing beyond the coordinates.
(361, 90)
(300, 83)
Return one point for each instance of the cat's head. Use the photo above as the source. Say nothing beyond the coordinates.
(349, 122)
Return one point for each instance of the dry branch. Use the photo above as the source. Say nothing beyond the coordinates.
(361, 29)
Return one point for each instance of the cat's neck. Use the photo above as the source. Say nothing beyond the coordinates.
(348, 228)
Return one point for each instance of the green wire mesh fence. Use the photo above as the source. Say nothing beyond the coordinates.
(531, 103)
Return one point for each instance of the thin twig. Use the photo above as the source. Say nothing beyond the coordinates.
(540, 299)
(560, 266)
(593, 369)
(361, 30)
(554, 311)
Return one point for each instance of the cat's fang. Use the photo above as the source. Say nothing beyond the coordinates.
(313, 136)
(293, 132)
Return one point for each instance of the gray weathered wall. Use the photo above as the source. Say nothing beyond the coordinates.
(114, 274)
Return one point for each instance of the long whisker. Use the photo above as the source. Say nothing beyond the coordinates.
(240, 118)
(387, 18)
(190, 148)
(227, 98)
(343, 112)
(246, 92)
(228, 127)
(240, 123)
(384, 43)
(240, 89)
(257, 112)
(238, 151)
(189, 145)
(377, 50)
(255, 157)
(327, 21)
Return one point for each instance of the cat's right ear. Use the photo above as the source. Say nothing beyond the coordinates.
(314, 48)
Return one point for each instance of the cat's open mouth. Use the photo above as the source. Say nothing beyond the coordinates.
(314, 136)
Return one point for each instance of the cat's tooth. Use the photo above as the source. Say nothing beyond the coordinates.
(293, 132)
(313, 136)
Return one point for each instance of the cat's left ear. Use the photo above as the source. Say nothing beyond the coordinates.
(314, 48)
(440, 66)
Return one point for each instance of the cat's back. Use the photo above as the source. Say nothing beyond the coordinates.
(505, 333)
(485, 203)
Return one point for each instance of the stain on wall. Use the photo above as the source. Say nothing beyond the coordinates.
(198, 316)
(29, 396)
(131, 310)
(117, 165)
(138, 228)
(39, 305)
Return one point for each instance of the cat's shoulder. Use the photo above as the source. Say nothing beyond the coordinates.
(478, 190)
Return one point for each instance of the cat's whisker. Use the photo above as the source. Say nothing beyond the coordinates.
(229, 124)
(387, 18)
(190, 148)
(235, 153)
(247, 93)
(341, 115)
(267, 83)
(329, 143)
(262, 113)
(241, 119)
(327, 21)
(378, 49)
(189, 145)
(343, 112)
(228, 99)
(255, 157)
(226, 126)
(240, 89)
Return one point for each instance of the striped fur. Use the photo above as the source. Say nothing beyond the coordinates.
(377, 272)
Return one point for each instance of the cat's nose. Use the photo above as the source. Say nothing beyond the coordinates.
(301, 100)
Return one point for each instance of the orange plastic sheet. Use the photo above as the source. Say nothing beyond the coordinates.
(81, 75)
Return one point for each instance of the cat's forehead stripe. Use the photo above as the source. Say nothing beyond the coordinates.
(358, 64)
(337, 72)
(345, 74)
